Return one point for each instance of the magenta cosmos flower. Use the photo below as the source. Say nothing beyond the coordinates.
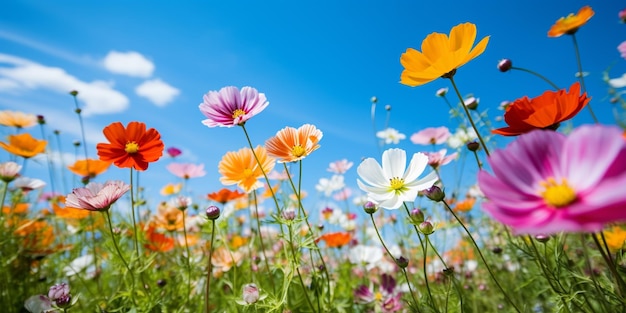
(230, 107)
(96, 196)
(545, 182)
(186, 170)
(431, 136)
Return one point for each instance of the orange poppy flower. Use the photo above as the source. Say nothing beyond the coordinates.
(24, 145)
(133, 146)
(17, 119)
(157, 241)
(545, 111)
(441, 55)
(570, 24)
(225, 195)
(241, 168)
(89, 167)
(465, 205)
(291, 145)
(336, 239)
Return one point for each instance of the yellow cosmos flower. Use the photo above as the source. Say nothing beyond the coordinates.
(441, 55)
(17, 119)
(570, 24)
(24, 145)
(89, 167)
(241, 168)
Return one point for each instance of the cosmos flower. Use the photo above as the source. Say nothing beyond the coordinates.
(17, 119)
(157, 242)
(225, 195)
(168, 217)
(439, 158)
(441, 55)
(291, 145)
(545, 182)
(230, 107)
(186, 170)
(96, 196)
(171, 189)
(392, 184)
(545, 111)
(431, 136)
(241, 168)
(173, 152)
(615, 238)
(336, 239)
(28, 184)
(618, 82)
(461, 137)
(24, 145)
(328, 186)
(390, 136)
(570, 24)
(340, 166)
(89, 167)
(133, 146)
(622, 49)
(223, 260)
(9, 171)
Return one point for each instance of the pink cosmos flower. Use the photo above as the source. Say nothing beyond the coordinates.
(437, 159)
(173, 152)
(96, 196)
(230, 107)
(622, 15)
(622, 49)
(545, 182)
(340, 167)
(186, 170)
(431, 136)
(9, 171)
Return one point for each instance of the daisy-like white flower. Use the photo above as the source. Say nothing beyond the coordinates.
(231, 107)
(393, 183)
(96, 196)
(328, 186)
(390, 136)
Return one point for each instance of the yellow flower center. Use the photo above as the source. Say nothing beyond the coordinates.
(247, 172)
(378, 296)
(238, 113)
(396, 184)
(557, 194)
(131, 147)
(297, 151)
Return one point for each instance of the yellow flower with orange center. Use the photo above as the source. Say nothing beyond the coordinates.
(441, 55)
(24, 145)
(17, 119)
(571, 23)
(290, 144)
(241, 168)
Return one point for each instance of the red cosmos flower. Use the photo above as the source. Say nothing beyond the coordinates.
(545, 111)
(133, 146)
(225, 195)
(336, 239)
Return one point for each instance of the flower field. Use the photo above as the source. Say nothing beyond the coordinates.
(539, 229)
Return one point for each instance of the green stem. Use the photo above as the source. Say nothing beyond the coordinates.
(210, 268)
(258, 223)
(295, 264)
(482, 257)
(581, 78)
(469, 116)
(611, 265)
(538, 75)
(117, 248)
(188, 258)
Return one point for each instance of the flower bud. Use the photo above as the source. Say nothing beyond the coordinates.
(417, 216)
(402, 262)
(542, 238)
(161, 283)
(59, 290)
(212, 212)
(74, 93)
(370, 207)
(622, 15)
(63, 301)
(289, 214)
(250, 293)
(434, 193)
(41, 119)
(388, 107)
(374, 100)
(496, 250)
(471, 103)
(473, 146)
(426, 228)
(505, 65)
(441, 92)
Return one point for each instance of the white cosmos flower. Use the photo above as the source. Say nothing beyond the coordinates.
(390, 136)
(392, 184)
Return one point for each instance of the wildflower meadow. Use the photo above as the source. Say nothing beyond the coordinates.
(527, 217)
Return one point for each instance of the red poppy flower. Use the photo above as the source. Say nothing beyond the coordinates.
(133, 146)
(545, 111)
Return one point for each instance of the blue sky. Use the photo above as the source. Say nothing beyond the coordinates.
(318, 62)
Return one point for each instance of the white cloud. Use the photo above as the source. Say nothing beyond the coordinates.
(98, 97)
(129, 63)
(157, 91)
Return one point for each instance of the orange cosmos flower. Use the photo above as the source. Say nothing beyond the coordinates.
(17, 119)
(290, 144)
(570, 24)
(615, 238)
(133, 146)
(36, 235)
(24, 145)
(225, 195)
(441, 55)
(336, 239)
(67, 212)
(157, 241)
(465, 205)
(17, 208)
(242, 169)
(545, 111)
(89, 167)
(168, 217)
